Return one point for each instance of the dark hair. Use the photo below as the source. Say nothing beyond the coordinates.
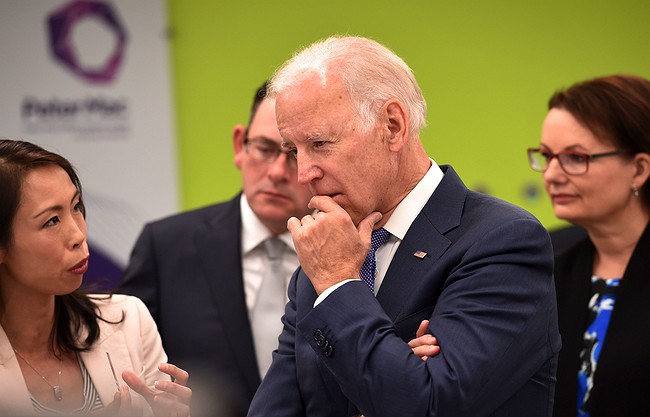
(259, 96)
(73, 311)
(615, 109)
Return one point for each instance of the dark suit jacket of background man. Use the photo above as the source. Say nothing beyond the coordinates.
(187, 270)
(497, 329)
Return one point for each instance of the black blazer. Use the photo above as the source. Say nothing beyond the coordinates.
(187, 269)
(622, 377)
(565, 237)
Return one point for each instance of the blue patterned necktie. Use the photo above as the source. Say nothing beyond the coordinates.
(367, 274)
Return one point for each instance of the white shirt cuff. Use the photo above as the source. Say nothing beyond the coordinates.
(330, 290)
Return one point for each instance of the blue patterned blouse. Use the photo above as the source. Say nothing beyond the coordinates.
(601, 305)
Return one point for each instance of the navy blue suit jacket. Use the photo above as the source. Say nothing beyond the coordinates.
(486, 285)
(187, 270)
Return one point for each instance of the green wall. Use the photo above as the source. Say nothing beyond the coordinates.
(486, 69)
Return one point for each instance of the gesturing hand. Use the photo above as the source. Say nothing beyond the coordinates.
(121, 406)
(169, 398)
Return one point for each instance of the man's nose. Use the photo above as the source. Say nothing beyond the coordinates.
(307, 170)
(281, 167)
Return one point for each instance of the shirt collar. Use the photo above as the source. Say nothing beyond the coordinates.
(411, 206)
(253, 230)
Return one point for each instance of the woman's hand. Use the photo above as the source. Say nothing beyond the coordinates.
(169, 399)
(424, 344)
(122, 405)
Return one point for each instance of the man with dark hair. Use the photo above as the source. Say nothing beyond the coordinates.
(202, 274)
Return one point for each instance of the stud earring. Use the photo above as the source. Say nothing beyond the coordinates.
(635, 190)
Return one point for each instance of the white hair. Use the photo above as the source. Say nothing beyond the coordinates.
(372, 73)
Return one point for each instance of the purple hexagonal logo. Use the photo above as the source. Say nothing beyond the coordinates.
(63, 44)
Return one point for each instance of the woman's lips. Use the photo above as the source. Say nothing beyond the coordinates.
(563, 198)
(80, 268)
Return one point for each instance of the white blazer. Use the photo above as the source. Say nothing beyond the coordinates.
(134, 344)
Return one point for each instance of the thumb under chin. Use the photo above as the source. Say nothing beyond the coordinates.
(368, 224)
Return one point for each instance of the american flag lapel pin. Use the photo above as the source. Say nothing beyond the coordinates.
(420, 254)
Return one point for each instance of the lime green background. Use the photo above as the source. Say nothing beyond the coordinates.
(487, 69)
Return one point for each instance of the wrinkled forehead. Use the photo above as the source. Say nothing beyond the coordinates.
(314, 113)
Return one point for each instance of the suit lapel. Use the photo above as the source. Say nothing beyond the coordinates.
(96, 361)
(629, 312)
(221, 259)
(15, 395)
(441, 214)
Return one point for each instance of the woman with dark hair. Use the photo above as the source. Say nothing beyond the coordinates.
(62, 351)
(595, 156)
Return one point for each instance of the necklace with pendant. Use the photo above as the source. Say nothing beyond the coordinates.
(58, 394)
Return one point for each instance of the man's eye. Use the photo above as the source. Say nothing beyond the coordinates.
(291, 152)
(266, 150)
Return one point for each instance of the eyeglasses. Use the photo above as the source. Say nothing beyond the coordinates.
(573, 163)
(265, 150)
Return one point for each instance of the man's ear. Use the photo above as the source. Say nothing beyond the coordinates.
(396, 124)
(238, 136)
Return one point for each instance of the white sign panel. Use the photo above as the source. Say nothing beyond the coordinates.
(91, 80)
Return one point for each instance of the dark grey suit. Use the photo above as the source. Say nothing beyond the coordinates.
(187, 269)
